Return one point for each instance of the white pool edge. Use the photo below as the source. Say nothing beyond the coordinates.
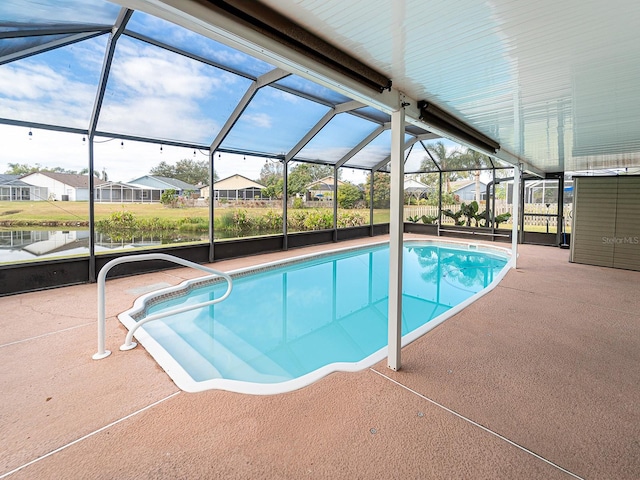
(185, 382)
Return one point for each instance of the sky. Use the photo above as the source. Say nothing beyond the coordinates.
(157, 94)
(122, 160)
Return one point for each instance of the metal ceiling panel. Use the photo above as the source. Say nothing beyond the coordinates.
(555, 83)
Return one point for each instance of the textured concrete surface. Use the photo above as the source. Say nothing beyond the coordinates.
(539, 379)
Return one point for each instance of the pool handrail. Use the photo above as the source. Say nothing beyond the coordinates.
(102, 276)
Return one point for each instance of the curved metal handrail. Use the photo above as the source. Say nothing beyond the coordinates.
(102, 276)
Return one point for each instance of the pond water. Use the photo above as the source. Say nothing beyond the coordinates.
(24, 245)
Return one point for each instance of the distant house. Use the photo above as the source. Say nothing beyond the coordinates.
(235, 187)
(118, 192)
(465, 190)
(161, 184)
(62, 186)
(322, 190)
(13, 189)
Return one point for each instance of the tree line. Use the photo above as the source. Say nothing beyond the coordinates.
(26, 169)
(301, 175)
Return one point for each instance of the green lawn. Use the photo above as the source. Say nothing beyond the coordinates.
(77, 213)
(63, 212)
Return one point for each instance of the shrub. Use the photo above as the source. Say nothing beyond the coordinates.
(119, 221)
(271, 220)
(296, 220)
(318, 220)
(193, 224)
(350, 219)
(169, 198)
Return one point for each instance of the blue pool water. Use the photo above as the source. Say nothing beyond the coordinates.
(285, 322)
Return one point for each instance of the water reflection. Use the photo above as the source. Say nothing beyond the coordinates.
(24, 245)
(283, 323)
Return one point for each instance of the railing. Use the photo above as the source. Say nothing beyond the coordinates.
(535, 214)
(102, 276)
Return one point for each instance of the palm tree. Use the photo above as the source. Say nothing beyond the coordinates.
(447, 160)
(474, 159)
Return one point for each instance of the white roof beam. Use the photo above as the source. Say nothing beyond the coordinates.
(261, 81)
(368, 139)
(121, 21)
(409, 143)
(341, 108)
(45, 47)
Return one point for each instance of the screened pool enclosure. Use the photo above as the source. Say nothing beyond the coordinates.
(109, 93)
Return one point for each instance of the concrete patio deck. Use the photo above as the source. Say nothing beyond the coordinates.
(539, 379)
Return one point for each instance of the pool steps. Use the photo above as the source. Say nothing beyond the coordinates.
(102, 278)
(182, 351)
(185, 340)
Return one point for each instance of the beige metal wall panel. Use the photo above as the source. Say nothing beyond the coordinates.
(606, 222)
(594, 218)
(627, 240)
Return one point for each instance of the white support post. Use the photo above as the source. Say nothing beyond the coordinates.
(396, 225)
(515, 216)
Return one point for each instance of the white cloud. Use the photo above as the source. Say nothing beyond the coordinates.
(160, 118)
(60, 11)
(29, 81)
(332, 154)
(278, 95)
(35, 92)
(153, 71)
(260, 120)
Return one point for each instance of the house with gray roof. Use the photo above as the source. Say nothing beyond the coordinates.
(119, 192)
(161, 184)
(13, 189)
(465, 190)
(61, 186)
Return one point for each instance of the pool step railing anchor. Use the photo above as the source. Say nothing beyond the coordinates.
(100, 356)
(102, 276)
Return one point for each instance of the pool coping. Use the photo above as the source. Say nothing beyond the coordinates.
(187, 383)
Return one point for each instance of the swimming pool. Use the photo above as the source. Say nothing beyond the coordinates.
(289, 323)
